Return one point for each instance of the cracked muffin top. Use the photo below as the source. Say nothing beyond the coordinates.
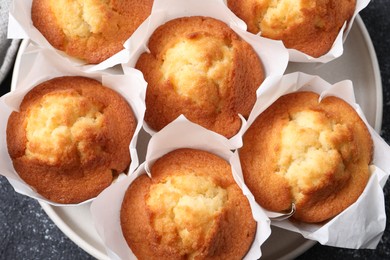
(310, 26)
(310, 153)
(91, 30)
(190, 208)
(199, 67)
(70, 138)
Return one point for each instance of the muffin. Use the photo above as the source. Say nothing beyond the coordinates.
(199, 67)
(91, 30)
(70, 138)
(191, 208)
(310, 26)
(310, 153)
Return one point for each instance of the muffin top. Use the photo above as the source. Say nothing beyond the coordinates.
(91, 30)
(199, 67)
(310, 26)
(313, 154)
(191, 208)
(59, 122)
(70, 138)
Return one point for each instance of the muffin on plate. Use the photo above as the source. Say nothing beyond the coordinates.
(199, 67)
(190, 208)
(310, 26)
(70, 138)
(91, 30)
(310, 153)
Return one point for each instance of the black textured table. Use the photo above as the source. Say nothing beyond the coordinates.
(26, 232)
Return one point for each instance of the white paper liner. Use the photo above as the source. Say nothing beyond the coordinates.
(44, 66)
(20, 26)
(337, 47)
(179, 134)
(272, 53)
(361, 225)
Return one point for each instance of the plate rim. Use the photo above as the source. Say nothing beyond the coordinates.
(88, 248)
(377, 74)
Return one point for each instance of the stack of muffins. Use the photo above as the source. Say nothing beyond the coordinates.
(70, 138)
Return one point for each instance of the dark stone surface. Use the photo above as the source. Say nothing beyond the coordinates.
(27, 233)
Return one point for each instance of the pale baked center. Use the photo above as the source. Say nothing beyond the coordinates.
(198, 67)
(63, 125)
(184, 210)
(275, 16)
(314, 150)
(81, 18)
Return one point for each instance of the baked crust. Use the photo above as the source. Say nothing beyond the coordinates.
(199, 67)
(91, 30)
(212, 218)
(310, 26)
(70, 138)
(315, 155)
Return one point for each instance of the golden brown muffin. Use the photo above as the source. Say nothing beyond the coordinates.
(91, 30)
(310, 26)
(313, 154)
(70, 138)
(191, 208)
(199, 67)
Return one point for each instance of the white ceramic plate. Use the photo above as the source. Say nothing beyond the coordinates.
(358, 63)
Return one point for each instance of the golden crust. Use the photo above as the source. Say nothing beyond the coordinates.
(313, 154)
(310, 26)
(199, 67)
(91, 30)
(70, 138)
(194, 182)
